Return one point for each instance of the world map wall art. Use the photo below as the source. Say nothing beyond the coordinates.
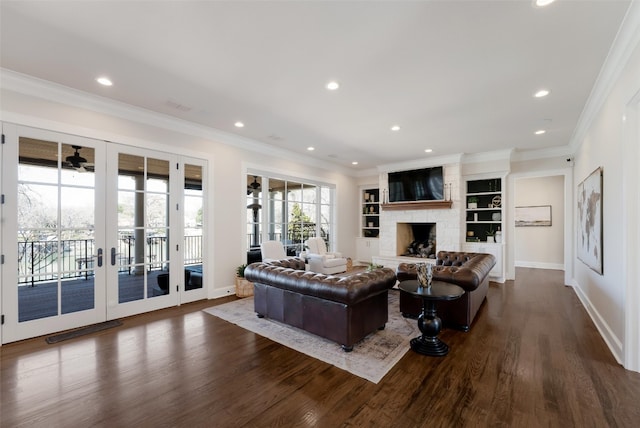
(590, 221)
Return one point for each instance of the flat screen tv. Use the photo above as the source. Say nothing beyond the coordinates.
(425, 184)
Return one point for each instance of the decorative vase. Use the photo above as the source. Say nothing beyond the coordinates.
(425, 274)
(498, 237)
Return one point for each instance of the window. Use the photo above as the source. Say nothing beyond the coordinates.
(295, 211)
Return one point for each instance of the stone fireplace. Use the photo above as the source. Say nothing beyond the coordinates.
(395, 224)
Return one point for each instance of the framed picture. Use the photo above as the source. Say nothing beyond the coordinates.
(590, 221)
(533, 216)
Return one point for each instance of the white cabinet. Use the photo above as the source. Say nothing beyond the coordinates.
(366, 248)
(497, 273)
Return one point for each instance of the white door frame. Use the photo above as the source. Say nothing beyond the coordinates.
(567, 173)
(631, 237)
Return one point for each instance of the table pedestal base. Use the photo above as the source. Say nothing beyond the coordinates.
(430, 325)
(433, 348)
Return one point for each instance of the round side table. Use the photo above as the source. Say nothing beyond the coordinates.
(429, 323)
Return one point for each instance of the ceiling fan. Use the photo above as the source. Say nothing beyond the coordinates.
(77, 162)
(253, 187)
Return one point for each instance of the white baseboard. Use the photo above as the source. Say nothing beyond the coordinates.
(539, 265)
(613, 342)
(217, 293)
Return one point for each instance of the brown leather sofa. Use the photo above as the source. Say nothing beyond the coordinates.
(341, 309)
(468, 270)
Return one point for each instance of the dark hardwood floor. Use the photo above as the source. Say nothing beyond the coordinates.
(533, 358)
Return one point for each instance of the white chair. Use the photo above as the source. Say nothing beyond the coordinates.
(272, 251)
(322, 261)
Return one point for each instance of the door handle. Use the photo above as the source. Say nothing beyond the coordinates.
(99, 257)
(113, 256)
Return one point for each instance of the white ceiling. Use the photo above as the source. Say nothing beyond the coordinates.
(456, 76)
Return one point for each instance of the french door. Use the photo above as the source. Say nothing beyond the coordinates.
(53, 277)
(142, 231)
(93, 231)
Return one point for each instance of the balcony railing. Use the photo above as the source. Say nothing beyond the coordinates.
(50, 259)
(293, 245)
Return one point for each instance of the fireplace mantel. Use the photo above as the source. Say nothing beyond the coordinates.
(417, 205)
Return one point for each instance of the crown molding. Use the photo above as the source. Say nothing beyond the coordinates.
(621, 50)
(496, 155)
(50, 91)
(420, 163)
(552, 152)
(370, 172)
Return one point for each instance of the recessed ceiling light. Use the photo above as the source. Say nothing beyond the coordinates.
(354, 163)
(311, 148)
(105, 81)
(395, 128)
(542, 93)
(542, 3)
(333, 85)
(540, 132)
(239, 124)
(428, 150)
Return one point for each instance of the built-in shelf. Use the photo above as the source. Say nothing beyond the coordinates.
(370, 213)
(484, 209)
(417, 205)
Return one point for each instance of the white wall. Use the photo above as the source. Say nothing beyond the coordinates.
(541, 247)
(603, 145)
(227, 165)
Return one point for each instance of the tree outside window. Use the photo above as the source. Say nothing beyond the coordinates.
(301, 227)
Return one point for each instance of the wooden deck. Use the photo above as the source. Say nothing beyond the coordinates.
(41, 300)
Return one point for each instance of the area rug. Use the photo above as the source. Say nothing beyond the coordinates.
(370, 359)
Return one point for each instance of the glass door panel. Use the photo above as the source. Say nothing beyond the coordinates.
(254, 212)
(193, 226)
(141, 245)
(55, 229)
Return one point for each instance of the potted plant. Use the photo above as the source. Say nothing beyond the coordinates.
(472, 203)
(490, 235)
(244, 287)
